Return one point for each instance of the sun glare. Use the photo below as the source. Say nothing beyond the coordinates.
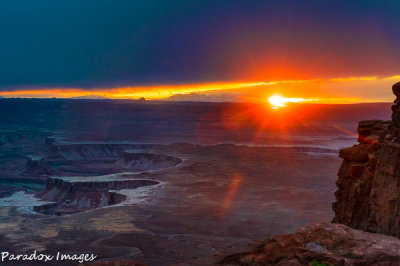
(277, 101)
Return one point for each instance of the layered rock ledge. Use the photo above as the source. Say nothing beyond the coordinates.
(368, 195)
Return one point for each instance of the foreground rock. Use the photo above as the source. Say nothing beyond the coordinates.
(334, 244)
(368, 195)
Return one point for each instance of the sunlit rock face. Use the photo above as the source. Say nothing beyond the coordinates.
(368, 195)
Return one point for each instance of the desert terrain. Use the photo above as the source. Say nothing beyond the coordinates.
(162, 184)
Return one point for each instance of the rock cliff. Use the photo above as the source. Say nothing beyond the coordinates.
(368, 195)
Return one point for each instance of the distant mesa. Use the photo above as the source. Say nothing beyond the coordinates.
(90, 97)
(68, 197)
(198, 97)
(95, 175)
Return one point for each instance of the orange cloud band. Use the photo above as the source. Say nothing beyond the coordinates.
(148, 92)
(352, 89)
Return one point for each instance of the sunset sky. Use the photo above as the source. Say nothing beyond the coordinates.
(332, 51)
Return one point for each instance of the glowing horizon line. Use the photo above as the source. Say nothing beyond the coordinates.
(163, 92)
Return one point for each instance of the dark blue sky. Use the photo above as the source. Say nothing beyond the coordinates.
(89, 44)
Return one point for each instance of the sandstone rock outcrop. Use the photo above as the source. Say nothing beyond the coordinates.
(368, 195)
(332, 244)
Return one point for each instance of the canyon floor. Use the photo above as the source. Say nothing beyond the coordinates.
(218, 198)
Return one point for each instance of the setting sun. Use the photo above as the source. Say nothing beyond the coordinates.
(279, 101)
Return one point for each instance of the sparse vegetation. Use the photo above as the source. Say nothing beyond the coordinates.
(316, 263)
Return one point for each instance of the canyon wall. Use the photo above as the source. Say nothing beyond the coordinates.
(368, 195)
